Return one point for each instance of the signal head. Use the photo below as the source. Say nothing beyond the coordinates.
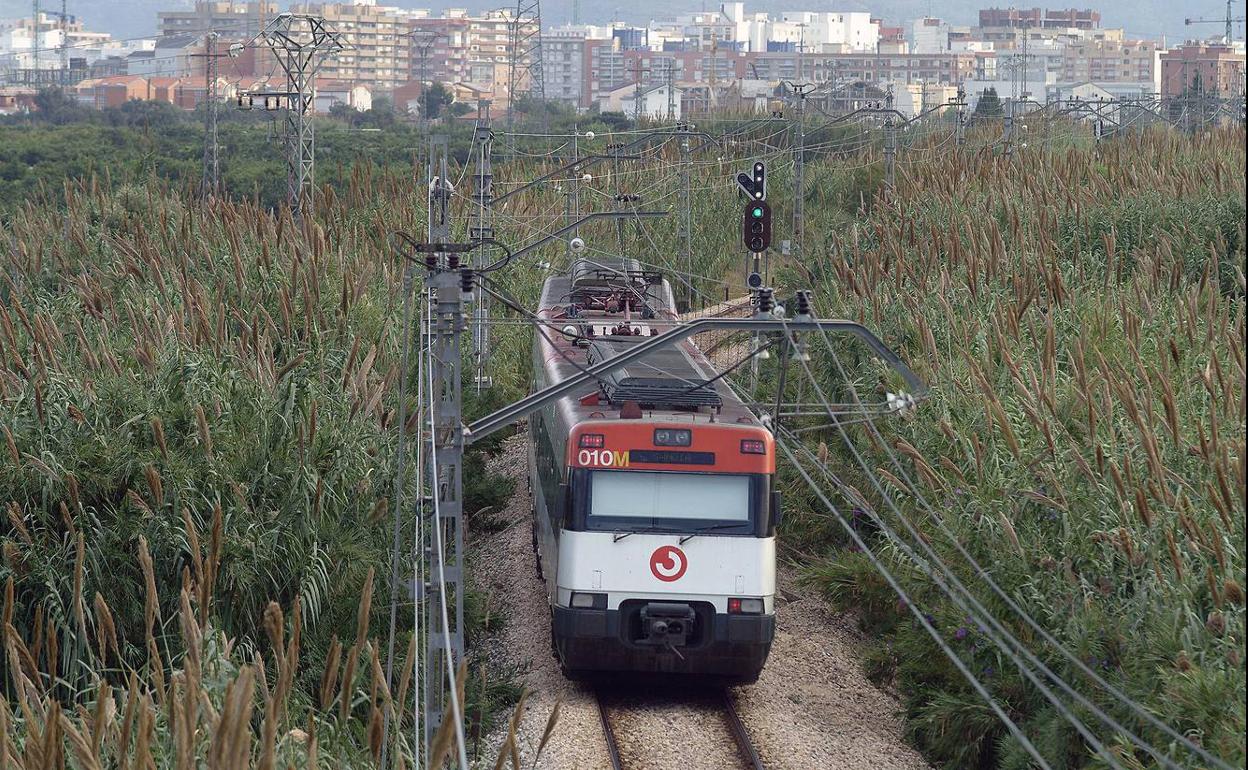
(756, 226)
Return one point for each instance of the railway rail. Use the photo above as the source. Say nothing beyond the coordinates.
(739, 753)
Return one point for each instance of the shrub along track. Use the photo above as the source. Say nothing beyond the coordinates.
(811, 708)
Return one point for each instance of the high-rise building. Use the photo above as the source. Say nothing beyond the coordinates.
(1104, 61)
(229, 18)
(1206, 68)
(1048, 18)
(379, 51)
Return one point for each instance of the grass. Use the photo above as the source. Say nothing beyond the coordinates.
(1080, 314)
(198, 403)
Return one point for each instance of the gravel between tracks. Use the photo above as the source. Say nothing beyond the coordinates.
(812, 708)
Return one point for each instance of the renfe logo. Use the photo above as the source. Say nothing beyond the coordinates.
(668, 563)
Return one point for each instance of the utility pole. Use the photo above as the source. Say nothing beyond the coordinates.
(423, 41)
(671, 91)
(443, 549)
(890, 154)
(801, 50)
(481, 230)
(210, 180)
(799, 167)
(959, 126)
(301, 43)
(35, 44)
(685, 224)
(65, 44)
(637, 70)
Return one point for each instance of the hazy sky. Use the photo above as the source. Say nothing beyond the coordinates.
(1151, 18)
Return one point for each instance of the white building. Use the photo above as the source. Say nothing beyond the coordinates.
(563, 63)
(826, 32)
(654, 102)
(19, 40)
(357, 96)
(927, 35)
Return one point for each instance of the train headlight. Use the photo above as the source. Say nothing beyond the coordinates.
(582, 601)
(744, 606)
(673, 437)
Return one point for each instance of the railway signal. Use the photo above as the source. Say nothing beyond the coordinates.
(756, 227)
(754, 185)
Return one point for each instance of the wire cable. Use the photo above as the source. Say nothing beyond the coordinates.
(983, 574)
(958, 663)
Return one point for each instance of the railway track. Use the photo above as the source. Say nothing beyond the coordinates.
(718, 706)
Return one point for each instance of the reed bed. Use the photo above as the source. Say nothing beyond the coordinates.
(1079, 311)
(198, 407)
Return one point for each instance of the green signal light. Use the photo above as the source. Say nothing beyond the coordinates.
(757, 212)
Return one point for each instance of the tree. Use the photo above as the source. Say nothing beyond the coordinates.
(989, 105)
(54, 105)
(433, 99)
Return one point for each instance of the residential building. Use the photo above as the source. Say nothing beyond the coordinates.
(40, 50)
(901, 68)
(17, 99)
(651, 102)
(330, 93)
(379, 53)
(1048, 18)
(1215, 69)
(1101, 61)
(927, 35)
(449, 47)
(564, 64)
(231, 18)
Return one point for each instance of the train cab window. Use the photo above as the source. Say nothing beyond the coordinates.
(669, 501)
(670, 495)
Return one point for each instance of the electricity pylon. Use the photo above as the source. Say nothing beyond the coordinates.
(525, 56)
(210, 183)
(300, 43)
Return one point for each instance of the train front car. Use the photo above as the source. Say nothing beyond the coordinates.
(667, 554)
(655, 510)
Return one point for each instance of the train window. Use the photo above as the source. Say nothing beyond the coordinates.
(670, 496)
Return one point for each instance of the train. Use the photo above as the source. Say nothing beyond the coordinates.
(654, 495)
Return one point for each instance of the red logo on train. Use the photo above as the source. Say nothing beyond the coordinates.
(668, 563)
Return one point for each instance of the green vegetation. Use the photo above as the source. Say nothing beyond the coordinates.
(1081, 319)
(198, 407)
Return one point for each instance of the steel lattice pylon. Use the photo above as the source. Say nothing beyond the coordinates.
(301, 43)
(525, 56)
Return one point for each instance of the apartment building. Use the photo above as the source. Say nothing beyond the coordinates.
(1103, 61)
(379, 53)
(1213, 69)
(1036, 18)
(449, 46)
(230, 18)
(898, 68)
(564, 61)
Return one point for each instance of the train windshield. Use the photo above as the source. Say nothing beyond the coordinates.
(672, 501)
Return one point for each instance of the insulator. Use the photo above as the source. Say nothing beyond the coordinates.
(765, 302)
(431, 261)
(803, 303)
(452, 261)
(466, 277)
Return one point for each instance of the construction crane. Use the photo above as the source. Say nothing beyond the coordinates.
(1230, 21)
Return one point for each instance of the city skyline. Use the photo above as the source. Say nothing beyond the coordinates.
(1150, 19)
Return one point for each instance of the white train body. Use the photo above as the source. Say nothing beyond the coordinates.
(654, 501)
